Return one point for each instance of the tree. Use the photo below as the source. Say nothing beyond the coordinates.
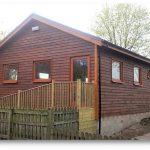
(3, 33)
(126, 25)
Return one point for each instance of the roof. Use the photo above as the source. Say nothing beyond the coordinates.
(88, 37)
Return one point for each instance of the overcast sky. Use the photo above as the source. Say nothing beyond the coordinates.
(78, 14)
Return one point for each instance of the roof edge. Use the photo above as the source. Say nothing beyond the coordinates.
(11, 34)
(67, 29)
(85, 36)
(125, 51)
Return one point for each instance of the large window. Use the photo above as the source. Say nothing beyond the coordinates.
(10, 73)
(117, 73)
(41, 71)
(137, 76)
(80, 68)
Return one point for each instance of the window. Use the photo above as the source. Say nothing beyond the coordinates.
(80, 68)
(137, 76)
(10, 73)
(117, 75)
(41, 71)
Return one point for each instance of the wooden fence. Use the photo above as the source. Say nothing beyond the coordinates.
(51, 124)
(37, 124)
(56, 94)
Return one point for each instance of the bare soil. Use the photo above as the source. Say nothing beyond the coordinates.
(133, 131)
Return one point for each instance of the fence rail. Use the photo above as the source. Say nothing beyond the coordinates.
(55, 94)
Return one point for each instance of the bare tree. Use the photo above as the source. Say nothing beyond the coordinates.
(3, 33)
(126, 25)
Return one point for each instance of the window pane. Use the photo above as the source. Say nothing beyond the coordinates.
(116, 70)
(10, 72)
(136, 74)
(80, 69)
(42, 70)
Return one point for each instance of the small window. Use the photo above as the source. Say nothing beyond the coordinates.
(137, 76)
(41, 71)
(80, 68)
(116, 71)
(10, 73)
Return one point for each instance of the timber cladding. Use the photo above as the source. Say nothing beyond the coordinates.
(123, 98)
(48, 43)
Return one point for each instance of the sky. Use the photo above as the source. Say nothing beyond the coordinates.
(79, 14)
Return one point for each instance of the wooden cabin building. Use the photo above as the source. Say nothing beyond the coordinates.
(40, 50)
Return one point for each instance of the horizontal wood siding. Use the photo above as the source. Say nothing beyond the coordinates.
(47, 43)
(125, 98)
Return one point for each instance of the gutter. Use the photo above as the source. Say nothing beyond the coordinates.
(126, 52)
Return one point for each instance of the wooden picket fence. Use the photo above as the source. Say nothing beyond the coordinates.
(37, 124)
(56, 94)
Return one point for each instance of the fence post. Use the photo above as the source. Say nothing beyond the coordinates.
(79, 84)
(18, 100)
(50, 122)
(53, 93)
(10, 119)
